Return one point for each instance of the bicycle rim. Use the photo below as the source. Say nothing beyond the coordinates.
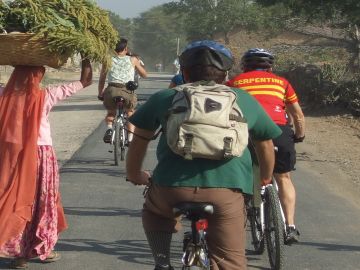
(118, 143)
(274, 229)
(257, 234)
(122, 145)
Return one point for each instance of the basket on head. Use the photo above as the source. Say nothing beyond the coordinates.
(26, 49)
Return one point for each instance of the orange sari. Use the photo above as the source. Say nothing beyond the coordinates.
(20, 113)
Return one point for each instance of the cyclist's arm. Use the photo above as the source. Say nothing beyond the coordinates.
(102, 79)
(86, 73)
(140, 69)
(136, 155)
(298, 118)
(266, 158)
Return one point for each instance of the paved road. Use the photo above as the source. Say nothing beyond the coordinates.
(104, 211)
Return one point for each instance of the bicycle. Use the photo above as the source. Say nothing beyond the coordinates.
(266, 218)
(267, 223)
(119, 138)
(195, 256)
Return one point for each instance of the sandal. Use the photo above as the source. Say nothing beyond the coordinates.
(19, 263)
(53, 257)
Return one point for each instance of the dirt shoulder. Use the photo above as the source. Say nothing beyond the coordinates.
(331, 148)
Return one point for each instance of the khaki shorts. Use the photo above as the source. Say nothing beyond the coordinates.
(113, 91)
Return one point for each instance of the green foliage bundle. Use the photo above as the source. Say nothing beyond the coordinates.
(75, 26)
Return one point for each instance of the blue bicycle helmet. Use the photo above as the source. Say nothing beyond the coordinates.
(206, 52)
(257, 57)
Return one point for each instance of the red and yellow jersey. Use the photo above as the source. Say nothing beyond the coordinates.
(271, 91)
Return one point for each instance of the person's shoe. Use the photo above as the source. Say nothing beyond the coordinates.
(108, 135)
(162, 267)
(53, 257)
(291, 235)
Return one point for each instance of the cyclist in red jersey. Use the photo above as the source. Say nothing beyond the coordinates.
(280, 101)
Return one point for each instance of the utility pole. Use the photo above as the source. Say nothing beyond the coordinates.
(213, 5)
(177, 46)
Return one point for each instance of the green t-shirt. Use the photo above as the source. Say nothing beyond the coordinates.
(173, 170)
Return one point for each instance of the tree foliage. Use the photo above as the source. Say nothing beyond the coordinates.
(123, 26)
(205, 19)
(156, 34)
(315, 10)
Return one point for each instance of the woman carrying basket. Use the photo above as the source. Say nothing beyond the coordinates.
(31, 214)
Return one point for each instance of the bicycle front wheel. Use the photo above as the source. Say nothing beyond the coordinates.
(274, 228)
(119, 143)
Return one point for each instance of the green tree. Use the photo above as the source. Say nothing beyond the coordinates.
(156, 34)
(123, 26)
(206, 18)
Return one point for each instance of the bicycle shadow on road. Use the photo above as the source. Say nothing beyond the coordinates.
(330, 247)
(92, 166)
(133, 251)
(101, 212)
(75, 108)
(130, 251)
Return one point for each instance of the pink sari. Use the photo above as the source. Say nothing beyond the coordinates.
(31, 214)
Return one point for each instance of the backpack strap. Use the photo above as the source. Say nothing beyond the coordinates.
(188, 146)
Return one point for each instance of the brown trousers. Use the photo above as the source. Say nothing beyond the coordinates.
(226, 232)
(112, 91)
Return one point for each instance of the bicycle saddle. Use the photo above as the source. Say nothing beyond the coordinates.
(118, 98)
(193, 208)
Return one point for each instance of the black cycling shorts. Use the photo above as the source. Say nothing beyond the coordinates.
(285, 154)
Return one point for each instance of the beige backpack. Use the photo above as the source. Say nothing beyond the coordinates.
(205, 121)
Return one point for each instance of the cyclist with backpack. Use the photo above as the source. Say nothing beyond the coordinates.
(279, 99)
(189, 172)
(120, 74)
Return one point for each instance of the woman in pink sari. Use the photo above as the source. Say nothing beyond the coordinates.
(31, 214)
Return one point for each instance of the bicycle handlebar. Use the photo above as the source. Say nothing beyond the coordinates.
(299, 140)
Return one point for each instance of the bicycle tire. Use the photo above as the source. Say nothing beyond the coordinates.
(119, 143)
(274, 229)
(257, 235)
(123, 142)
(193, 268)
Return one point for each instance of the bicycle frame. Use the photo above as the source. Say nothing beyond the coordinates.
(195, 249)
(195, 256)
(119, 136)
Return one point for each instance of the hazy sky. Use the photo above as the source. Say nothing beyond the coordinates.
(129, 8)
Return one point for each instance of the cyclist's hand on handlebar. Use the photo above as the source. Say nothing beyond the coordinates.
(142, 179)
(100, 98)
(299, 139)
(265, 182)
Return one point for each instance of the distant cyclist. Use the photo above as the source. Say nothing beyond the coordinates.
(176, 80)
(122, 70)
(219, 182)
(176, 65)
(137, 75)
(278, 98)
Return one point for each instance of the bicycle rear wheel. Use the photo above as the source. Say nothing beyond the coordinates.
(119, 143)
(274, 228)
(257, 233)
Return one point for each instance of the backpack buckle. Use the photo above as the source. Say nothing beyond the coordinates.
(227, 147)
